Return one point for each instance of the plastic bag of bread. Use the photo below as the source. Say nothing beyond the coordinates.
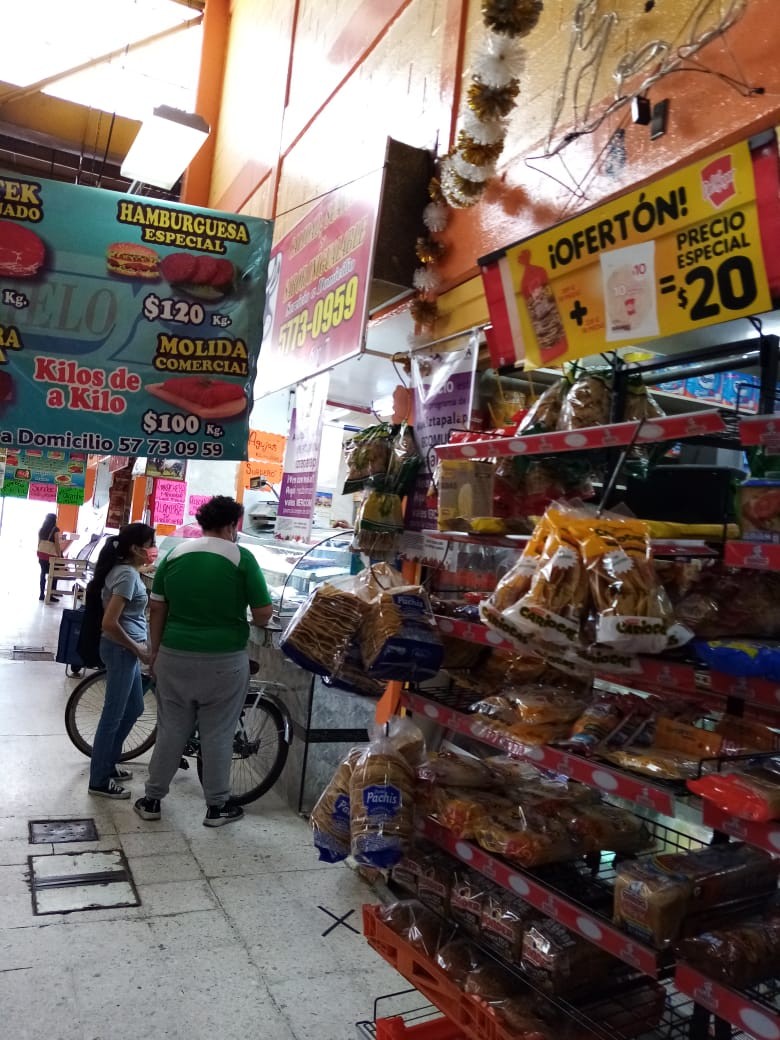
(543, 415)
(330, 816)
(561, 963)
(399, 637)
(381, 796)
(527, 838)
(434, 882)
(740, 956)
(505, 919)
(752, 794)
(536, 735)
(658, 762)
(545, 704)
(551, 611)
(414, 922)
(517, 581)
(633, 611)
(460, 810)
(656, 898)
(457, 959)
(405, 736)
(467, 899)
(510, 771)
(498, 709)
(600, 828)
(446, 767)
(367, 455)
(587, 403)
(319, 634)
(517, 1015)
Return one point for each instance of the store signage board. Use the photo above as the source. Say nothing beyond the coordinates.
(682, 253)
(128, 325)
(44, 472)
(298, 493)
(168, 501)
(266, 458)
(194, 502)
(318, 283)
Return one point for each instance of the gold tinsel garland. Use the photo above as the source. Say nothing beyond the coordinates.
(464, 173)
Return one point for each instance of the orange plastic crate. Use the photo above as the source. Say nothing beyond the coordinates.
(396, 1029)
(467, 1013)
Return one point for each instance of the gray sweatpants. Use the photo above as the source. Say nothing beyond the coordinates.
(204, 689)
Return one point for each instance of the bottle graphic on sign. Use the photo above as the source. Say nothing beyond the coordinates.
(542, 310)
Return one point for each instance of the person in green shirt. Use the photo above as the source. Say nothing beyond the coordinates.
(198, 636)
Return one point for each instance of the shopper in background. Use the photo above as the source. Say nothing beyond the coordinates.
(199, 632)
(122, 649)
(49, 547)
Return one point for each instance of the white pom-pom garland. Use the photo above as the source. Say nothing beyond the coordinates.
(499, 61)
(435, 217)
(426, 280)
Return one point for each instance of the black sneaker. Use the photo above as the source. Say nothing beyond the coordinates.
(148, 808)
(122, 774)
(111, 790)
(219, 815)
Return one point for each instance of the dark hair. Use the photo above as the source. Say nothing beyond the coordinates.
(48, 527)
(117, 550)
(219, 512)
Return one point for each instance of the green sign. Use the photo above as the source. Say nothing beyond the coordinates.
(13, 488)
(70, 496)
(128, 325)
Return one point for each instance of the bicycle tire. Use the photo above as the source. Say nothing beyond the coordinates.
(240, 793)
(82, 714)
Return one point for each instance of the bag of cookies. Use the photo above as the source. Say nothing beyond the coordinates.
(381, 798)
(330, 816)
(320, 632)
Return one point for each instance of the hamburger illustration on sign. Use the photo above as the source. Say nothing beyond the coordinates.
(132, 260)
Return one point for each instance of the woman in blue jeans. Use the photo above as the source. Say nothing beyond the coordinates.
(122, 649)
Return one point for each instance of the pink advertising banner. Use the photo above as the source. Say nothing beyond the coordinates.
(298, 493)
(317, 290)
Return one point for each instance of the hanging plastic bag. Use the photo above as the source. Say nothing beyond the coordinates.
(381, 805)
(330, 816)
(367, 455)
(399, 638)
(319, 634)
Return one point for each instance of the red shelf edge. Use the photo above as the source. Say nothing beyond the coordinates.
(610, 435)
(759, 556)
(728, 1004)
(595, 929)
(763, 835)
(600, 777)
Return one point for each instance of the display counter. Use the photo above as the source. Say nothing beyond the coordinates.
(327, 721)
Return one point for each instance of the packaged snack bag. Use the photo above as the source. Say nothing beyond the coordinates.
(399, 638)
(319, 634)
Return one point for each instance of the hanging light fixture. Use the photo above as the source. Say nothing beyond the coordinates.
(165, 146)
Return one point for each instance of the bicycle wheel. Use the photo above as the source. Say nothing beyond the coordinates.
(259, 750)
(83, 711)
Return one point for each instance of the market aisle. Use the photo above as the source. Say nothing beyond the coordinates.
(228, 938)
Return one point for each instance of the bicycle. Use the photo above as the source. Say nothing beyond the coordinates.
(260, 745)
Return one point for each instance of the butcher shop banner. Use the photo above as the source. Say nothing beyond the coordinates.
(681, 253)
(128, 325)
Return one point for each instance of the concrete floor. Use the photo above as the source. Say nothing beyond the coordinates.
(228, 940)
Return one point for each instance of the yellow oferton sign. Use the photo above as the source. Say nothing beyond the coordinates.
(681, 253)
